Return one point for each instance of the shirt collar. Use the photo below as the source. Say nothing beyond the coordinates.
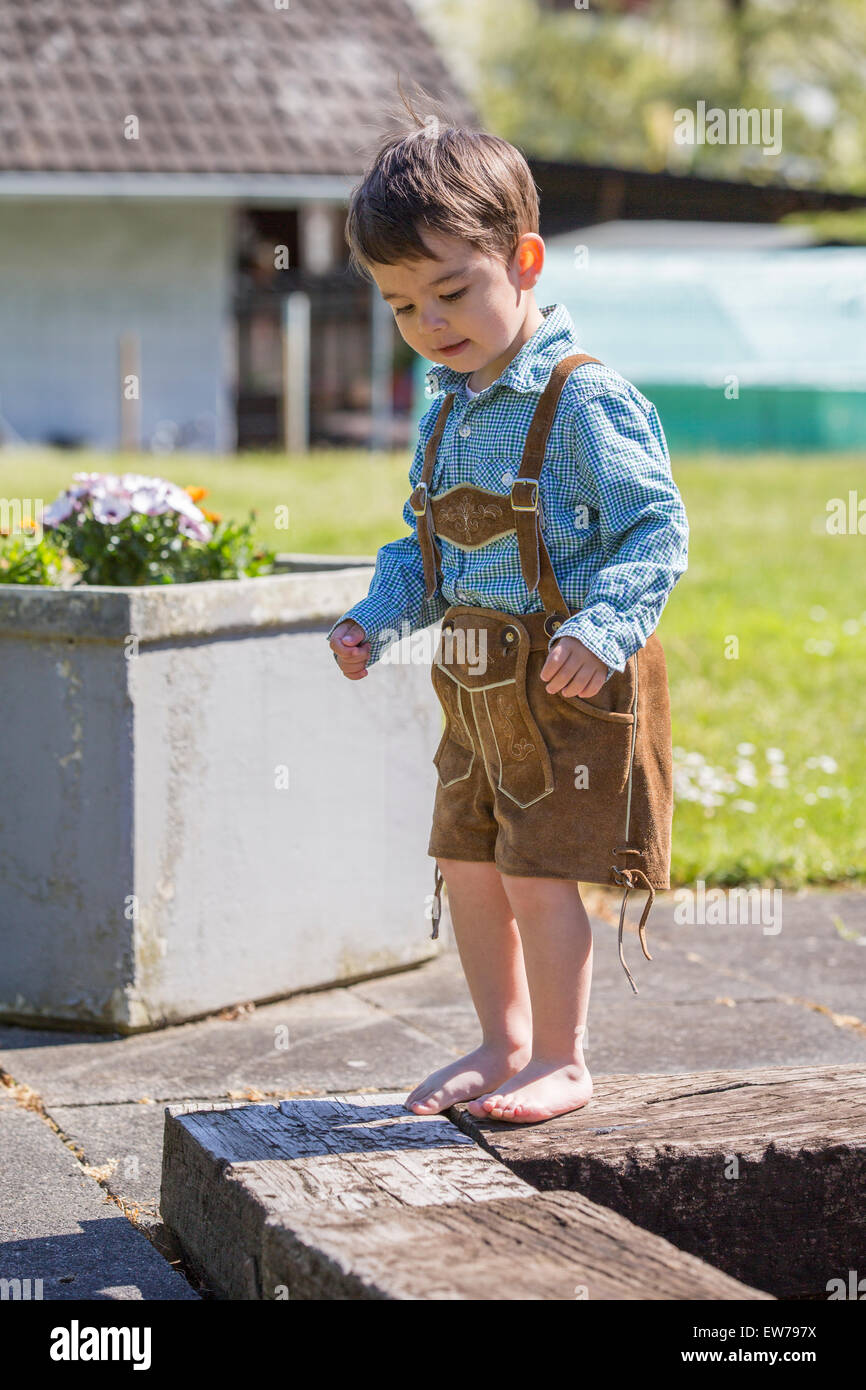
(529, 369)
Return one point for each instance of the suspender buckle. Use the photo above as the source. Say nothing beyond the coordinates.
(532, 484)
(422, 489)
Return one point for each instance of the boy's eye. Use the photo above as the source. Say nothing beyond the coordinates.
(456, 294)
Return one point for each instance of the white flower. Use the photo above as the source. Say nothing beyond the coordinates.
(826, 763)
(745, 749)
(62, 507)
(196, 530)
(105, 485)
(817, 614)
(775, 755)
(748, 806)
(109, 510)
(821, 648)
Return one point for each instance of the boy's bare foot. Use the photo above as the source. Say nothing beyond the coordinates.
(469, 1076)
(537, 1092)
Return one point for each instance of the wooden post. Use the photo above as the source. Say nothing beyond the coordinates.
(382, 366)
(296, 372)
(129, 357)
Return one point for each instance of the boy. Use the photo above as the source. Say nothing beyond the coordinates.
(555, 763)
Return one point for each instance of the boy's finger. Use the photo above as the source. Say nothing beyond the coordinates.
(350, 648)
(562, 675)
(553, 662)
(583, 683)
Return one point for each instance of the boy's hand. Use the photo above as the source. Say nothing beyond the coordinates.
(572, 669)
(351, 649)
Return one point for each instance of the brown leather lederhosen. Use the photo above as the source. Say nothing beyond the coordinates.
(623, 733)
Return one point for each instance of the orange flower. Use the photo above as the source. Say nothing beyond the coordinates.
(196, 493)
(211, 516)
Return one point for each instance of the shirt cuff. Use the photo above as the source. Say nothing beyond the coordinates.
(380, 635)
(345, 618)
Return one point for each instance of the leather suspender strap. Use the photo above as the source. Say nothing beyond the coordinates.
(419, 501)
(535, 562)
(538, 572)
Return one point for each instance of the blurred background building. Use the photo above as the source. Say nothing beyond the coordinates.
(174, 183)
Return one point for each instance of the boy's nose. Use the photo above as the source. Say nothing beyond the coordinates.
(434, 327)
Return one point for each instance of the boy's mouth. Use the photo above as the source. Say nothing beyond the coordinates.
(454, 347)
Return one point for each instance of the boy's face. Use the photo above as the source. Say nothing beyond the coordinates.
(464, 298)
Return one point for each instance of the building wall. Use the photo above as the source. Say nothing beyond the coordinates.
(74, 276)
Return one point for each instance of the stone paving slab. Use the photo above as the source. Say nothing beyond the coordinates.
(124, 1141)
(643, 1037)
(319, 1041)
(686, 1017)
(818, 954)
(59, 1227)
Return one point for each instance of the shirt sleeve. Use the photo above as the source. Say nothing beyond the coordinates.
(624, 474)
(396, 603)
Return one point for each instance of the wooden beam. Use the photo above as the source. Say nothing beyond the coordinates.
(354, 1197)
(762, 1172)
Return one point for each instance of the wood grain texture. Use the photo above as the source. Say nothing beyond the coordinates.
(556, 1246)
(353, 1197)
(227, 1169)
(762, 1172)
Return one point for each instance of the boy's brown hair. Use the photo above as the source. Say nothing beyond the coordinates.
(447, 178)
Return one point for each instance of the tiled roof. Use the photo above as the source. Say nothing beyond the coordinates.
(218, 86)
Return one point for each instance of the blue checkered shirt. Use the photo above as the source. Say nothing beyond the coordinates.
(612, 517)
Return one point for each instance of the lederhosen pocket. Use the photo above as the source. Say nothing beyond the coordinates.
(455, 756)
(487, 710)
(609, 735)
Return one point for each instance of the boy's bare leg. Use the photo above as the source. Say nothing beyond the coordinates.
(491, 954)
(557, 951)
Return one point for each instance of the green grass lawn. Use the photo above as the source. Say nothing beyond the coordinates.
(765, 636)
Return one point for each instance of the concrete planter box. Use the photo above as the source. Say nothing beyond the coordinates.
(196, 808)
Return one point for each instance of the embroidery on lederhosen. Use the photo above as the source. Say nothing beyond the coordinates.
(519, 748)
(466, 515)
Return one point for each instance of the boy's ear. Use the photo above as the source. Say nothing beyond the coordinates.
(530, 255)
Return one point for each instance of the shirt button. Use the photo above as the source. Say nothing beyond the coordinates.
(508, 479)
(464, 431)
